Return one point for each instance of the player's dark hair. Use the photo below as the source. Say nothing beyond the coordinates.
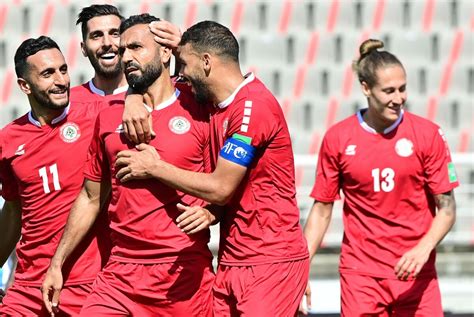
(144, 18)
(212, 37)
(95, 10)
(371, 59)
(31, 47)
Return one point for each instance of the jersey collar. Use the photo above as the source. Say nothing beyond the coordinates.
(369, 129)
(248, 78)
(54, 121)
(99, 92)
(165, 103)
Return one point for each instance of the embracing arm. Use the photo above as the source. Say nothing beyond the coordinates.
(216, 187)
(83, 214)
(136, 119)
(195, 218)
(10, 228)
(412, 261)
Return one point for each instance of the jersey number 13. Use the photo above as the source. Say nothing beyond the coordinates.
(383, 179)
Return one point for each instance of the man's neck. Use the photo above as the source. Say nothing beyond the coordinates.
(226, 85)
(160, 91)
(109, 85)
(44, 115)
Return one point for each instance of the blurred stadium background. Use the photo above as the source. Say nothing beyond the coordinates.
(303, 51)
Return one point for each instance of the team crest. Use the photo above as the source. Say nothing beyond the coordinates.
(404, 147)
(70, 132)
(179, 125)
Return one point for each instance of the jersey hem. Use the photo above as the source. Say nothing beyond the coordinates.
(263, 261)
(386, 276)
(121, 259)
(68, 283)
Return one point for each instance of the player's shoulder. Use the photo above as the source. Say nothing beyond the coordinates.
(17, 123)
(81, 93)
(343, 126)
(256, 99)
(188, 104)
(18, 130)
(256, 90)
(419, 124)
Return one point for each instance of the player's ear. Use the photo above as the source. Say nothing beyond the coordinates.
(24, 86)
(166, 53)
(206, 62)
(83, 49)
(365, 89)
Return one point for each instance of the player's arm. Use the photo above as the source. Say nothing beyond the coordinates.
(195, 218)
(83, 214)
(10, 228)
(317, 224)
(315, 228)
(412, 261)
(136, 119)
(216, 187)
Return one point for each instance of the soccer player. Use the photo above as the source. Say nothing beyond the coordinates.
(155, 269)
(263, 257)
(42, 156)
(100, 42)
(397, 177)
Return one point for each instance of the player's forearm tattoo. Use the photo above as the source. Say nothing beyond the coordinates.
(446, 201)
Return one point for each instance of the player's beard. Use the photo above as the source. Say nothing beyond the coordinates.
(150, 73)
(43, 99)
(105, 72)
(202, 94)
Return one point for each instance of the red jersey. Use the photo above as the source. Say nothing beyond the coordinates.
(261, 222)
(388, 181)
(88, 92)
(42, 167)
(143, 212)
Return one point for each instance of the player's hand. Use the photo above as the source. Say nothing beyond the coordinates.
(137, 164)
(166, 33)
(412, 262)
(194, 218)
(307, 297)
(137, 120)
(51, 289)
(2, 294)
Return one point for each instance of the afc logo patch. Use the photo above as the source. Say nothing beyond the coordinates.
(70, 132)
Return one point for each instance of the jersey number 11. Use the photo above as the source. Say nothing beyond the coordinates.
(53, 170)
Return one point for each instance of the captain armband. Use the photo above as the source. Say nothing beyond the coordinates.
(238, 149)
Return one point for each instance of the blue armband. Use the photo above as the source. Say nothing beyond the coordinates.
(238, 151)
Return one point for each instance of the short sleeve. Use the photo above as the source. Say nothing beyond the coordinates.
(7, 179)
(96, 162)
(253, 119)
(327, 184)
(439, 169)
